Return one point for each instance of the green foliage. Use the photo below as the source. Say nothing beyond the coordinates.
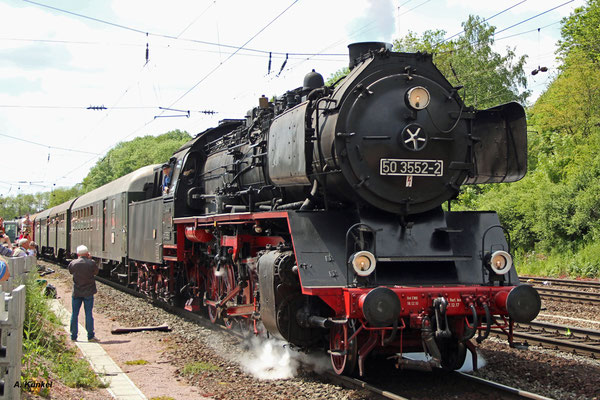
(75, 372)
(17, 206)
(337, 75)
(582, 263)
(61, 195)
(198, 367)
(556, 207)
(126, 157)
(581, 30)
(489, 78)
(570, 106)
(136, 362)
(553, 214)
(45, 351)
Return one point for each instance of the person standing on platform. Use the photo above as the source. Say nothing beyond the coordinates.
(21, 250)
(83, 269)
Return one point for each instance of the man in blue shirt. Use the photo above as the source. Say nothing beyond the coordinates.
(166, 170)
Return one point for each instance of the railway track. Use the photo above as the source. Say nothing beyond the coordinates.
(475, 387)
(566, 338)
(561, 282)
(479, 386)
(572, 296)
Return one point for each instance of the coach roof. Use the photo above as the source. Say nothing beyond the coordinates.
(132, 182)
(42, 214)
(61, 208)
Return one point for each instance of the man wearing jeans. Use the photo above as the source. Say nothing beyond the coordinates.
(83, 270)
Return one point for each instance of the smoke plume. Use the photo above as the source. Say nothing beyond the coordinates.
(376, 24)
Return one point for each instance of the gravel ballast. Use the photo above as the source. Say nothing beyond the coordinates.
(230, 371)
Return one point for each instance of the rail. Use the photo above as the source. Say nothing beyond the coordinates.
(565, 282)
(349, 382)
(572, 296)
(571, 339)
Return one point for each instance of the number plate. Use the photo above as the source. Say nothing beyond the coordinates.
(391, 166)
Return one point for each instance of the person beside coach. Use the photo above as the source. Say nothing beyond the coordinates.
(83, 269)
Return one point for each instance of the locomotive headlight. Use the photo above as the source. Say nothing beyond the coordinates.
(363, 263)
(418, 97)
(500, 262)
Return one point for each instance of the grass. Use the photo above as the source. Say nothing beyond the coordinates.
(199, 367)
(46, 355)
(136, 362)
(584, 263)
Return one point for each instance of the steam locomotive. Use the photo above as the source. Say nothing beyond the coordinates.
(318, 218)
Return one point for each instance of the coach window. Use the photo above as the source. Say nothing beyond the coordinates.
(112, 213)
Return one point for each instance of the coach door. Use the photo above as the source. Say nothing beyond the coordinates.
(104, 222)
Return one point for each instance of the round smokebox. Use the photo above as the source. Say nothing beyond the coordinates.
(381, 307)
(523, 303)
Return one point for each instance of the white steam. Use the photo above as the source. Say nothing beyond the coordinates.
(377, 22)
(270, 359)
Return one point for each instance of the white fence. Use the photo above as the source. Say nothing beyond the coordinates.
(12, 316)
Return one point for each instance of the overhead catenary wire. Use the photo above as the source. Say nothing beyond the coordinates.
(48, 146)
(509, 27)
(47, 106)
(190, 89)
(485, 20)
(232, 54)
(414, 8)
(51, 107)
(144, 32)
(364, 28)
(482, 72)
(291, 56)
(196, 19)
(535, 16)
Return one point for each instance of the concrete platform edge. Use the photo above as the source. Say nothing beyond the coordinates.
(120, 386)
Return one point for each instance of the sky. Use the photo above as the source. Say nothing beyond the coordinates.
(203, 55)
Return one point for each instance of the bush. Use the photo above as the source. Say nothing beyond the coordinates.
(584, 262)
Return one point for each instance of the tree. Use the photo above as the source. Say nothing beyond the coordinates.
(570, 105)
(17, 206)
(126, 157)
(554, 212)
(581, 31)
(337, 75)
(489, 78)
(61, 194)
